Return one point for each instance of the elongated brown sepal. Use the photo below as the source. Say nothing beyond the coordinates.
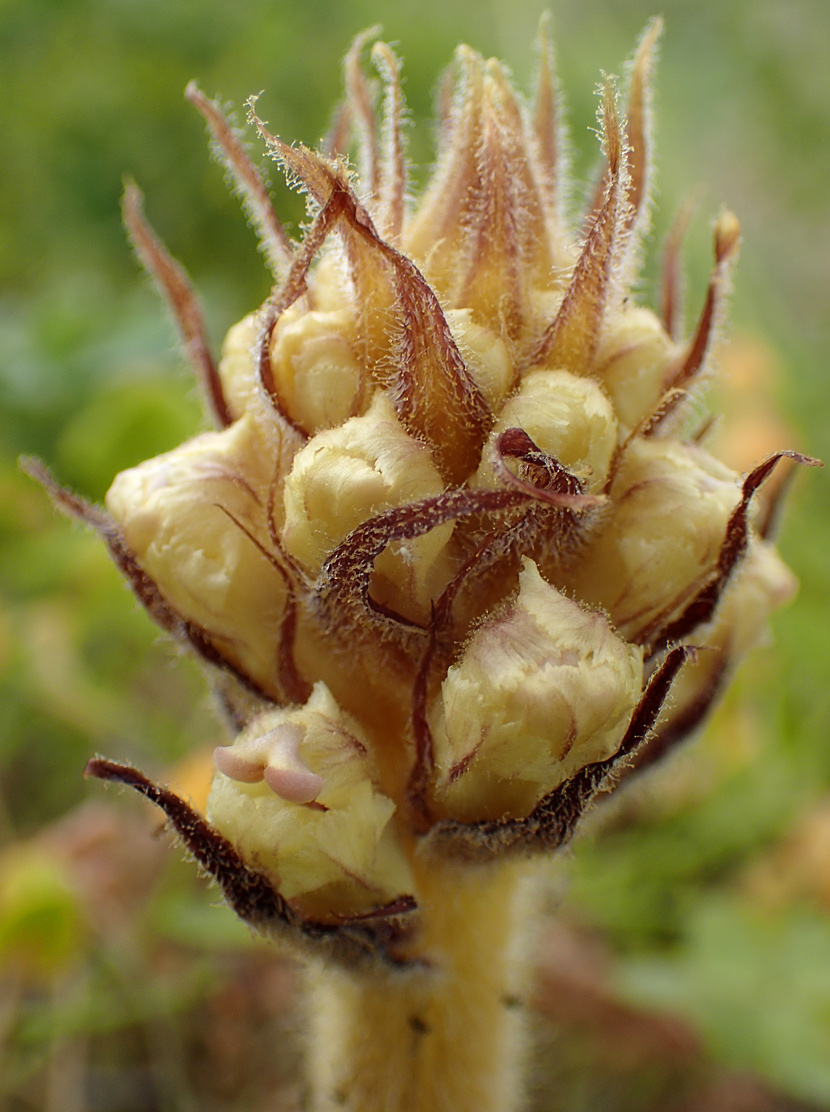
(362, 110)
(392, 185)
(180, 298)
(727, 240)
(548, 129)
(503, 219)
(637, 132)
(248, 182)
(572, 339)
(679, 726)
(553, 821)
(435, 395)
(671, 278)
(670, 403)
(420, 777)
(638, 124)
(371, 939)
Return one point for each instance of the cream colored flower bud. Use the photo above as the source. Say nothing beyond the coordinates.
(568, 417)
(174, 512)
(542, 689)
(237, 368)
(671, 504)
(316, 372)
(334, 854)
(485, 354)
(633, 363)
(344, 476)
(761, 585)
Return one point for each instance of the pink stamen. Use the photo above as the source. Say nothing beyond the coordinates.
(275, 758)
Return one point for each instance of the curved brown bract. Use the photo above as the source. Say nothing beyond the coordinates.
(374, 937)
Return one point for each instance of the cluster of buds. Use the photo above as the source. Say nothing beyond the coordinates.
(456, 533)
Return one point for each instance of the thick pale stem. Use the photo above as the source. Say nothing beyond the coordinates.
(447, 1038)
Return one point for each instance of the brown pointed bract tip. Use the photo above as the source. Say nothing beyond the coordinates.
(727, 241)
(727, 236)
(363, 113)
(547, 124)
(393, 172)
(249, 183)
(178, 293)
(574, 335)
(671, 281)
(638, 122)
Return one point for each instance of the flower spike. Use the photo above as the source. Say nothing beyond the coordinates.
(451, 558)
(176, 289)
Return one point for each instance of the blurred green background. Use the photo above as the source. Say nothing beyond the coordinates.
(709, 892)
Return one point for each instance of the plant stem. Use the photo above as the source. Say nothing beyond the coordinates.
(443, 1038)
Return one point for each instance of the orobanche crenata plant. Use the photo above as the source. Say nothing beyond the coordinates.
(455, 558)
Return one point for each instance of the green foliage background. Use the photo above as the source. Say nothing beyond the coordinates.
(91, 380)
